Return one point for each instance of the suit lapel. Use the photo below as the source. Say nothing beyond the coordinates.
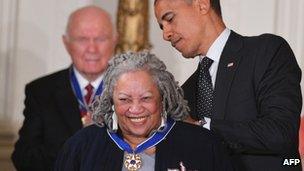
(228, 65)
(190, 87)
(67, 103)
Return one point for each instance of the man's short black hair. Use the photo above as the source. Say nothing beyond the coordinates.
(215, 5)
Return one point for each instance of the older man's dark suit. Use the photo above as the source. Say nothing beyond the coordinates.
(51, 117)
(257, 101)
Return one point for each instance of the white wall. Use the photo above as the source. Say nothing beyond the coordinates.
(38, 49)
(7, 42)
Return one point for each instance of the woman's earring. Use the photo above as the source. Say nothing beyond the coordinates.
(163, 120)
(114, 120)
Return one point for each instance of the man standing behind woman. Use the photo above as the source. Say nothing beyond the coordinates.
(56, 104)
(246, 89)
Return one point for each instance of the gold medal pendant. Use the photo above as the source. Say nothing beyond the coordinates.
(132, 162)
(86, 120)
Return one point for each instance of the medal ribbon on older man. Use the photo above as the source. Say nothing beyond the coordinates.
(132, 160)
(83, 105)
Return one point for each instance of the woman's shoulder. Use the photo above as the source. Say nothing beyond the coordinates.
(187, 127)
(87, 135)
(198, 133)
(83, 144)
(91, 130)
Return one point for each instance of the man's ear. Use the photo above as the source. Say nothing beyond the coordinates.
(65, 41)
(203, 5)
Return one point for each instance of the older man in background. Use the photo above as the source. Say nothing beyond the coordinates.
(56, 105)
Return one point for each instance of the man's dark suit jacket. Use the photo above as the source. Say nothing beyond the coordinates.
(92, 149)
(51, 117)
(257, 101)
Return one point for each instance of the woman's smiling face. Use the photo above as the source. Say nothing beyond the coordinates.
(137, 103)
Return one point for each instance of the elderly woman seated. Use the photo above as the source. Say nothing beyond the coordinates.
(138, 124)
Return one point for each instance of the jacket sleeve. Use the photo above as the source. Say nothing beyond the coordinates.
(30, 152)
(276, 83)
(69, 157)
(221, 159)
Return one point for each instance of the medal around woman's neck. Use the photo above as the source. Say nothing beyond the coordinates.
(132, 160)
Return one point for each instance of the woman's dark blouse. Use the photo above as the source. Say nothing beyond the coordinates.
(92, 149)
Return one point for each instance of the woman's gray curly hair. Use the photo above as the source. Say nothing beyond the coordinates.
(172, 95)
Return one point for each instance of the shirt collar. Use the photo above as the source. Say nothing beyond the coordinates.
(216, 49)
(84, 82)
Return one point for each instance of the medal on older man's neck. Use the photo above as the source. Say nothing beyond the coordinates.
(84, 101)
(132, 160)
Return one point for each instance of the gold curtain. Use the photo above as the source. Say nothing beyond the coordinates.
(133, 25)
